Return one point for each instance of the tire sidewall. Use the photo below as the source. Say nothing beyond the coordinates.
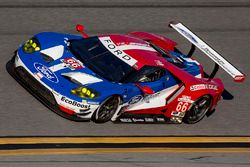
(186, 117)
(95, 116)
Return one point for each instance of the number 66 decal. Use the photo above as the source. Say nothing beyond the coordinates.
(72, 63)
(181, 106)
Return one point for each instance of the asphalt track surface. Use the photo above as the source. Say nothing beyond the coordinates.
(225, 25)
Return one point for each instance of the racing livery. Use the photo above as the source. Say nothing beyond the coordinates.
(138, 77)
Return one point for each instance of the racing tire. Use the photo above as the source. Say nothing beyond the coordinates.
(106, 110)
(198, 110)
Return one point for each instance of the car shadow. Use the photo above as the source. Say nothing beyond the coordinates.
(226, 95)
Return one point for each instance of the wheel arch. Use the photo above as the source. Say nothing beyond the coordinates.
(205, 94)
(118, 95)
(189, 120)
(95, 116)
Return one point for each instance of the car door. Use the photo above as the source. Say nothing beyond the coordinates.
(159, 80)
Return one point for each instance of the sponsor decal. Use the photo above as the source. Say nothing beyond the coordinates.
(203, 86)
(92, 102)
(149, 120)
(45, 72)
(135, 99)
(72, 63)
(158, 119)
(132, 43)
(75, 103)
(212, 55)
(138, 119)
(176, 120)
(126, 120)
(142, 119)
(186, 99)
(182, 107)
(218, 59)
(187, 35)
(113, 48)
(178, 114)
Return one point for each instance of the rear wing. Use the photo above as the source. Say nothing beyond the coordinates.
(216, 57)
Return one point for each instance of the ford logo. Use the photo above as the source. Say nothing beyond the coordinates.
(135, 99)
(46, 72)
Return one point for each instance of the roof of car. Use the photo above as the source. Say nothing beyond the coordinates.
(134, 51)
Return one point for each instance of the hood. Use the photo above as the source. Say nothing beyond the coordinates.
(58, 68)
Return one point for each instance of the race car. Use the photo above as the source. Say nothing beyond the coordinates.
(139, 77)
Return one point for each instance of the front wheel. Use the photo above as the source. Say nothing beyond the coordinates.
(106, 110)
(198, 110)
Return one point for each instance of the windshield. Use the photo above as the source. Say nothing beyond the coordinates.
(96, 57)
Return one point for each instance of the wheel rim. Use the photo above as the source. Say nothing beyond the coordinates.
(200, 108)
(107, 109)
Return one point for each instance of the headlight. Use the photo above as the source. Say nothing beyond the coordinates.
(84, 92)
(31, 46)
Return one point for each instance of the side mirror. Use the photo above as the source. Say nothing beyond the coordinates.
(145, 89)
(80, 28)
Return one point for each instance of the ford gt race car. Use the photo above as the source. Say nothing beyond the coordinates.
(138, 77)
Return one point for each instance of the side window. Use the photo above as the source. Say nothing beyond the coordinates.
(150, 74)
(145, 74)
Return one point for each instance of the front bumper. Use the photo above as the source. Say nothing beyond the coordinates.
(39, 91)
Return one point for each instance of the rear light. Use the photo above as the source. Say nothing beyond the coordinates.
(239, 78)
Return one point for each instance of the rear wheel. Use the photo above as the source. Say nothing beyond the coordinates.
(106, 110)
(198, 110)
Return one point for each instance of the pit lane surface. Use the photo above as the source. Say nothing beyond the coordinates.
(223, 24)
